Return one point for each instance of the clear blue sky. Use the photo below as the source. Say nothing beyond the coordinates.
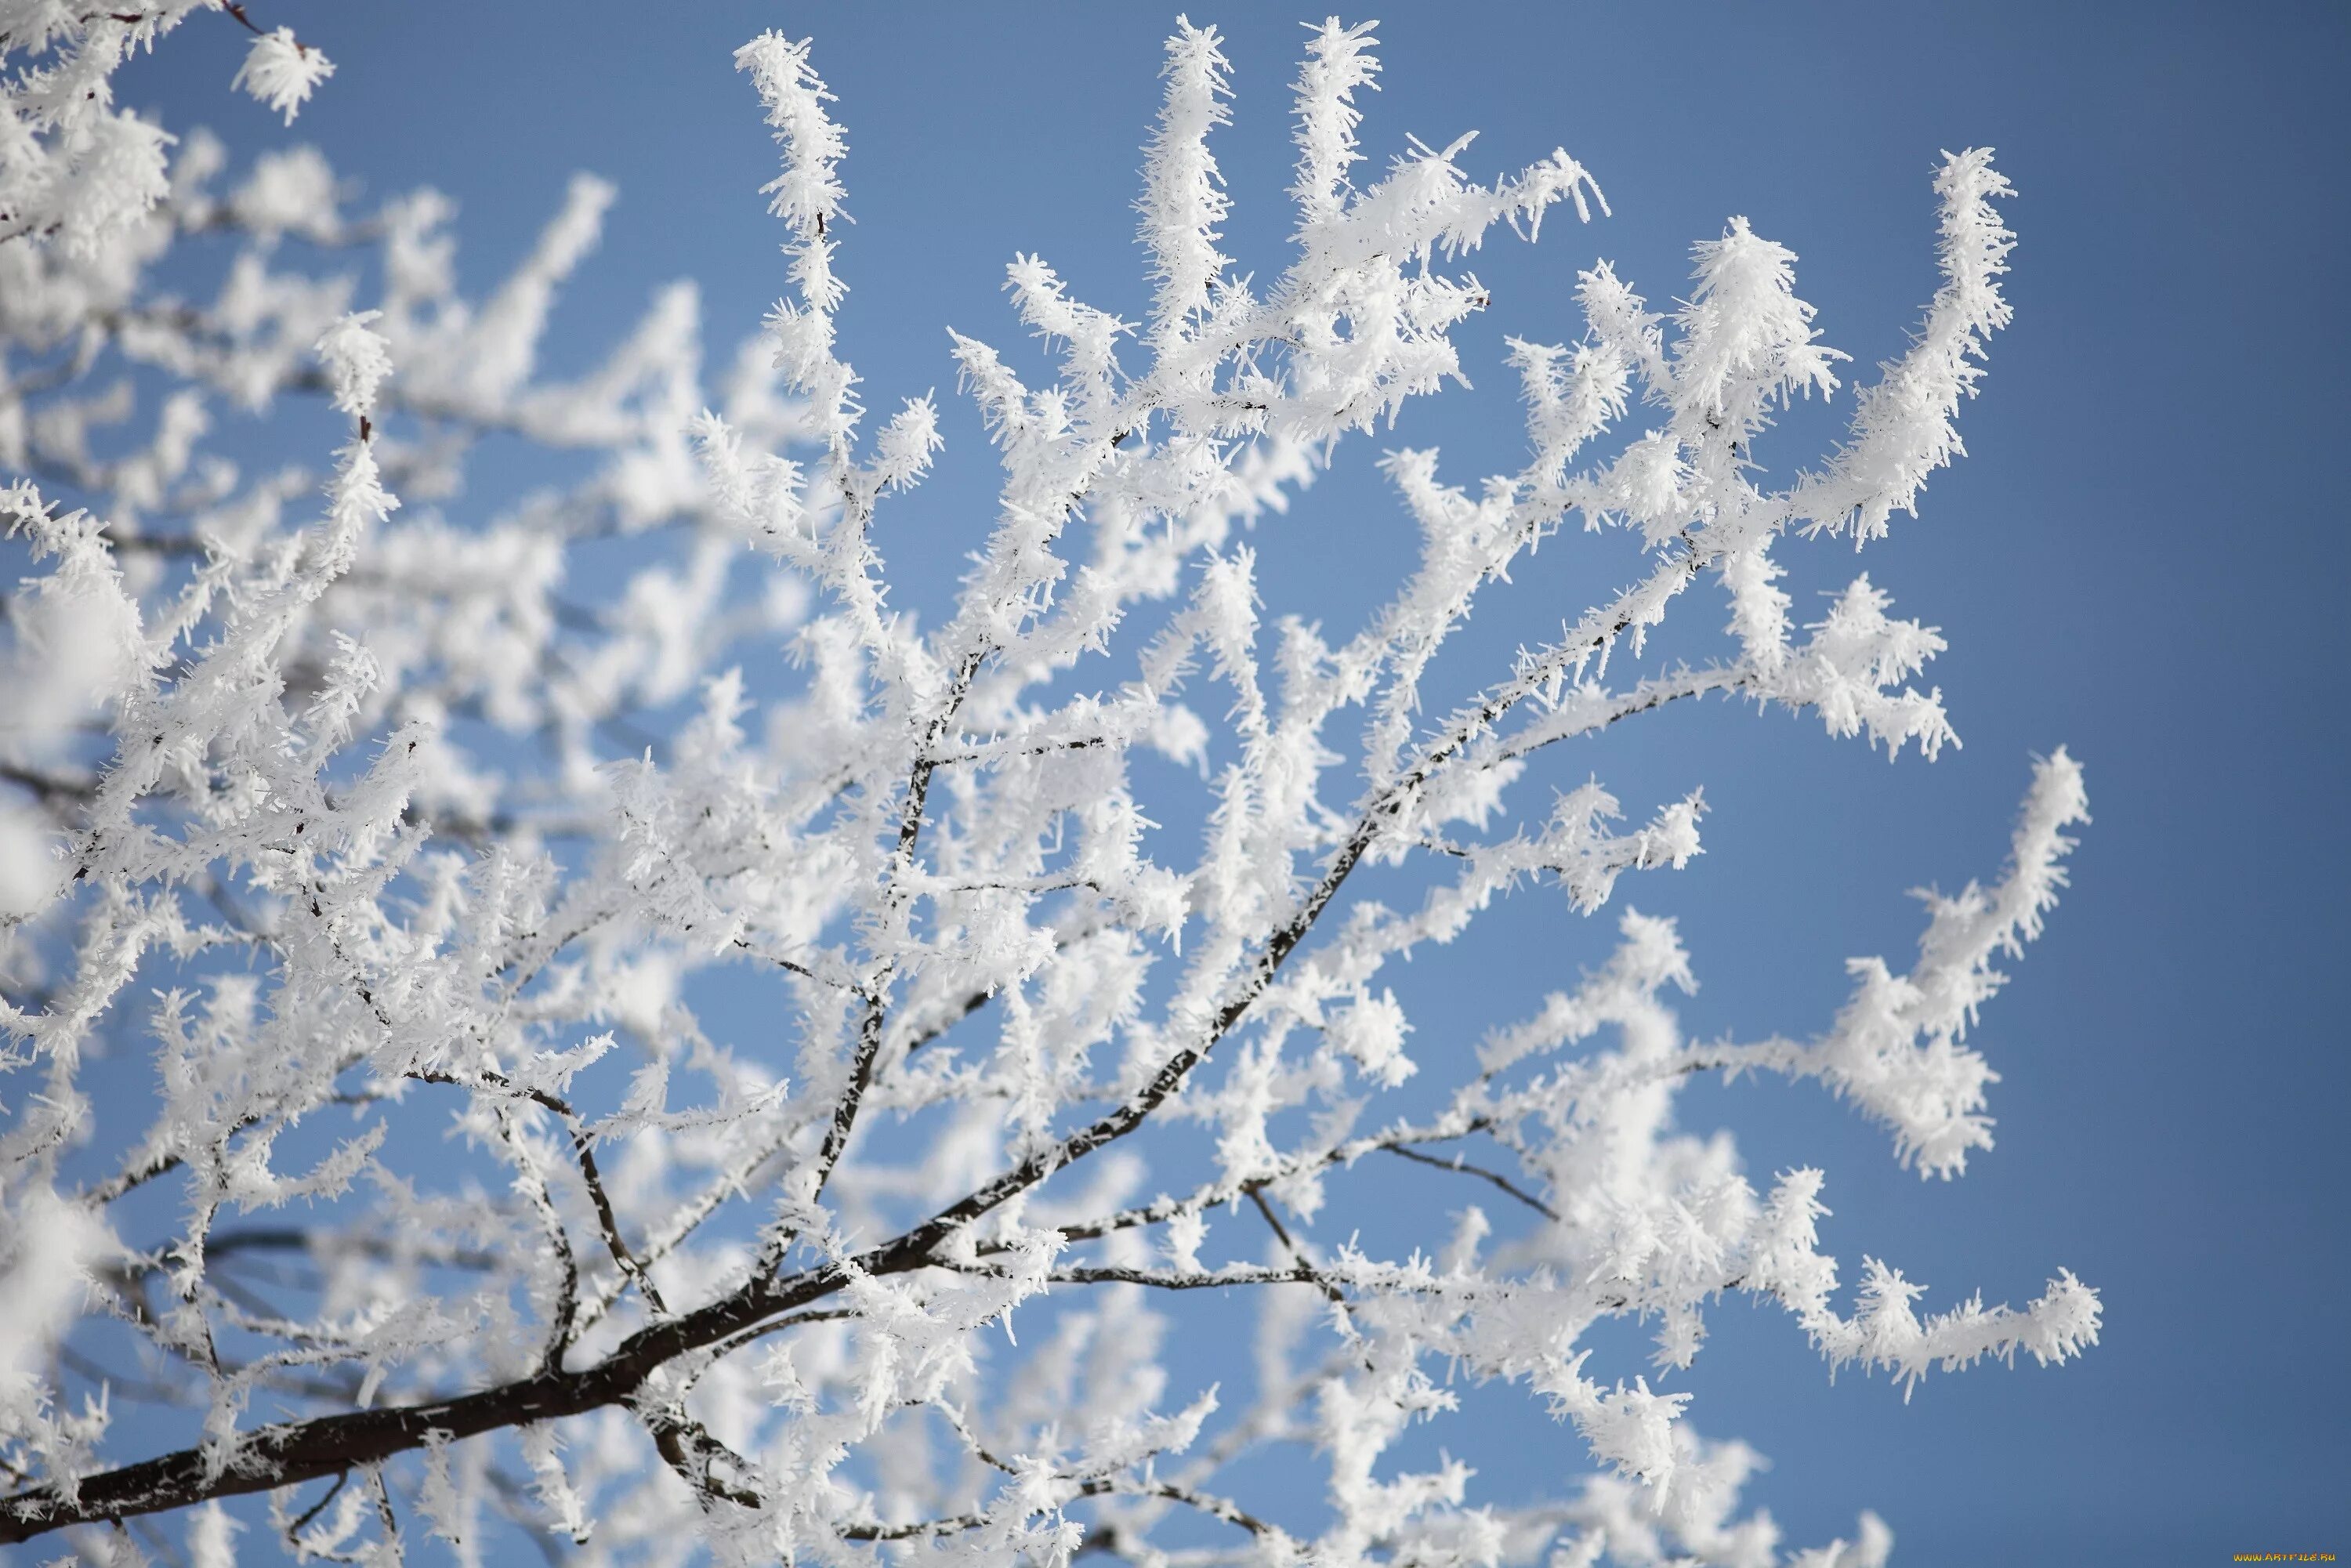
(2143, 559)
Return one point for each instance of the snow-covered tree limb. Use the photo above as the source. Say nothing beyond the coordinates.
(676, 1014)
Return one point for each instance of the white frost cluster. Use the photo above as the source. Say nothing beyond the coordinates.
(649, 1047)
(77, 171)
(282, 71)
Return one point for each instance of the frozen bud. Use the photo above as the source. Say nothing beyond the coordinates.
(1373, 1031)
(358, 359)
(1185, 1231)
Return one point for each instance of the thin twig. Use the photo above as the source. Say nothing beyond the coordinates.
(1457, 1163)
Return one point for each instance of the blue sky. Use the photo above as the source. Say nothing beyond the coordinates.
(2142, 559)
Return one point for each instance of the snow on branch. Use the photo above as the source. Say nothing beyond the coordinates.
(1899, 1049)
(653, 1046)
(1902, 426)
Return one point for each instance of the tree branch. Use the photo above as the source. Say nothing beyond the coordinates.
(1496, 1178)
(583, 1152)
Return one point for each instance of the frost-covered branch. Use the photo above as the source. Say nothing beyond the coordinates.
(696, 1001)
